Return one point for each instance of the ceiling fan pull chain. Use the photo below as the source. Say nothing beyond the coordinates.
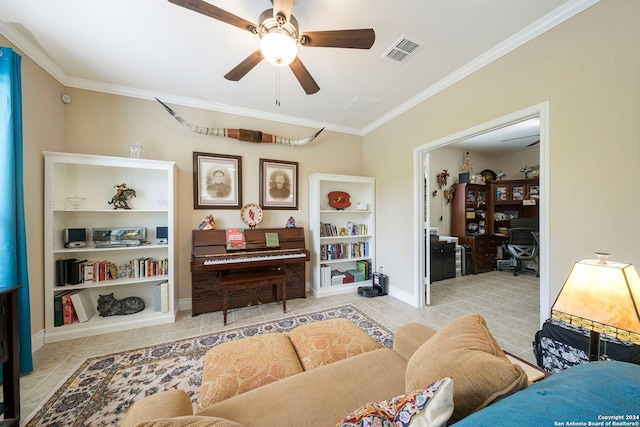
(278, 86)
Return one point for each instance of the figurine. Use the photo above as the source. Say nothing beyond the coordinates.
(291, 223)
(119, 200)
(108, 305)
(442, 178)
(526, 171)
(208, 223)
(448, 194)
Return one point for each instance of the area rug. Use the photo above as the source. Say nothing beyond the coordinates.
(101, 390)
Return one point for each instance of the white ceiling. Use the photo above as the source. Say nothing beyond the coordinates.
(152, 48)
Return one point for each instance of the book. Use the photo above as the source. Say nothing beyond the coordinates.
(164, 297)
(161, 297)
(83, 305)
(325, 275)
(235, 238)
(272, 239)
(157, 297)
(58, 319)
(69, 315)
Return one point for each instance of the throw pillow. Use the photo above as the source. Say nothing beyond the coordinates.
(429, 407)
(466, 351)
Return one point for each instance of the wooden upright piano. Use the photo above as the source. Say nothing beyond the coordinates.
(210, 260)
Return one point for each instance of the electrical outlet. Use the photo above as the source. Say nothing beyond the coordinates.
(381, 269)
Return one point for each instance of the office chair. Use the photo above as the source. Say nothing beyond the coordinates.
(523, 246)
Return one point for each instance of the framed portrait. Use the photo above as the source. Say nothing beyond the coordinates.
(278, 184)
(217, 181)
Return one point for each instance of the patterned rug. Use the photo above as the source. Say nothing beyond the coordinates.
(101, 390)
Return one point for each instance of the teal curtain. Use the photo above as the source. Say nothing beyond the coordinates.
(13, 239)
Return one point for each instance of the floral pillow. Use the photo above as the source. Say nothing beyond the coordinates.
(430, 407)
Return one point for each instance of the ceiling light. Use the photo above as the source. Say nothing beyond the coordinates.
(278, 48)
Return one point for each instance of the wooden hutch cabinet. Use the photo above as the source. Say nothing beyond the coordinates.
(516, 199)
(472, 215)
(472, 223)
(470, 210)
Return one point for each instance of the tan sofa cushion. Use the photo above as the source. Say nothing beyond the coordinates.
(319, 397)
(321, 343)
(165, 404)
(241, 365)
(189, 421)
(466, 351)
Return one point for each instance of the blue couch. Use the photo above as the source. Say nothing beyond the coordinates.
(596, 393)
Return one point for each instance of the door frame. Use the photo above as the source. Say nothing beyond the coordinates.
(422, 218)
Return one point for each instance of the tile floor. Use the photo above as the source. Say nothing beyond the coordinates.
(509, 304)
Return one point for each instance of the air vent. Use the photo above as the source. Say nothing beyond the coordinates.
(402, 49)
(360, 103)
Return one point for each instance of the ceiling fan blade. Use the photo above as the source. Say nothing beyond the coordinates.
(245, 66)
(214, 12)
(304, 77)
(534, 143)
(353, 39)
(282, 7)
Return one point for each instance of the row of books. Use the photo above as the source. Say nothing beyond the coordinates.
(344, 250)
(72, 306)
(78, 306)
(73, 271)
(364, 266)
(352, 229)
(329, 277)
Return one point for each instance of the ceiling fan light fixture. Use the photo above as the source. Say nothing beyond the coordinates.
(278, 48)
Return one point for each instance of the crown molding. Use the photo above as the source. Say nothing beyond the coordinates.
(568, 10)
(539, 27)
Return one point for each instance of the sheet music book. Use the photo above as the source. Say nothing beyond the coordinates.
(235, 238)
(272, 239)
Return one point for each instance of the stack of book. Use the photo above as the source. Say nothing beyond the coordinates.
(72, 306)
(73, 271)
(161, 297)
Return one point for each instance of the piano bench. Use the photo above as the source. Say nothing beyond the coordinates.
(235, 282)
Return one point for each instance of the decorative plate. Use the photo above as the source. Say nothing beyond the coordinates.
(339, 199)
(251, 214)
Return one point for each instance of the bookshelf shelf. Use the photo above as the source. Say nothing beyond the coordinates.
(92, 179)
(322, 219)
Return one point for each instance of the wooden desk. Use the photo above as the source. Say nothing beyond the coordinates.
(235, 282)
(9, 356)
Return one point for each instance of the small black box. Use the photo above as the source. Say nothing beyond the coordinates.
(162, 234)
(75, 237)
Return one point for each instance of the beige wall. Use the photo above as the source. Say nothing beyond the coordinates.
(102, 124)
(588, 69)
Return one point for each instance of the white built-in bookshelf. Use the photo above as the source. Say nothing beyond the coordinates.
(78, 188)
(330, 249)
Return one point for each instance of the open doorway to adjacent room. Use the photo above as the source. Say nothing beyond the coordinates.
(521, 137)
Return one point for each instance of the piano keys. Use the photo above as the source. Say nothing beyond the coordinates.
(210, 260)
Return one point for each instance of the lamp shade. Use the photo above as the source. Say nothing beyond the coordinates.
(278, 48)
(601, 296)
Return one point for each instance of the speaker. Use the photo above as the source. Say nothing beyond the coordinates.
(162, 234)
(75, 237)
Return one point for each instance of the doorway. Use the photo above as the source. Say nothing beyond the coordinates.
(424, 176)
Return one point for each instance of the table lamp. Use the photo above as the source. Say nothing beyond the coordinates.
(603, 297)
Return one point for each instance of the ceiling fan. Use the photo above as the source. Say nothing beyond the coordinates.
(279, 38)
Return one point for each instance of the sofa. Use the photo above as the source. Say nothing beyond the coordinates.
(438, 376)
